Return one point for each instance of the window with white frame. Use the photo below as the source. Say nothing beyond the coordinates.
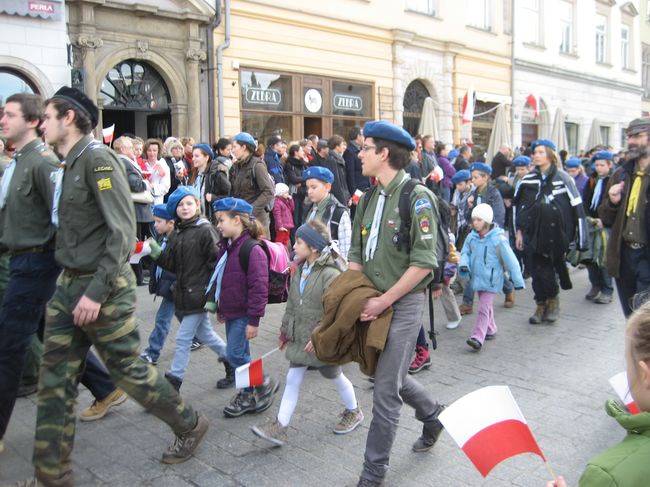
(604, 134)
(601, 38)
(645, 71)
(530, 17)
(572, 137)
(480, 13)
(565, 17)
(625, 47)
(429, 7)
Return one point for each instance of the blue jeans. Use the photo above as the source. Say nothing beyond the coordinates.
(238, 349)
(159, 334)
(598, 277)
(195, 324)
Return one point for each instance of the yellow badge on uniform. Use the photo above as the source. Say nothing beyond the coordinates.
(104, 184)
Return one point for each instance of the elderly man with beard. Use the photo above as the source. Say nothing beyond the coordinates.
(625, 210)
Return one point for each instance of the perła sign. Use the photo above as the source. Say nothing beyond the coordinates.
(348, 102)
(260, 96)
(44, 7)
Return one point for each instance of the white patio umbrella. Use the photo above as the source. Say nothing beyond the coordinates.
(558, 134)
(500, 133)
(428, 123)
(595, 136)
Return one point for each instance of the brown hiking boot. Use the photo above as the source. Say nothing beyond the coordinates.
(273, 432)
(552, 309)
(465, 309)
(510, 300)
(538, 315)
(186, 444)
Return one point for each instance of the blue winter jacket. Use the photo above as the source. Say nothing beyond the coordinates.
(480, 261)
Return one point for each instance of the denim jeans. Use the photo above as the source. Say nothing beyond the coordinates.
(598, 277)
(238, 349)
(195, 324)
(96, 378)
(164, 318)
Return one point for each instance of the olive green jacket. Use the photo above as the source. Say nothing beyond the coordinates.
(96, 230)
(303, 313)
(25, 218)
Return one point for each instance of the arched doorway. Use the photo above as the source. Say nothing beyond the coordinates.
(12, 82)
(414, 97)
(136, 99)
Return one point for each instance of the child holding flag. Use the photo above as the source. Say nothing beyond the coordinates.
(486, 255)
(241, 295)
(320, 265)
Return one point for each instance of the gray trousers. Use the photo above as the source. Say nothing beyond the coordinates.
(393, 386)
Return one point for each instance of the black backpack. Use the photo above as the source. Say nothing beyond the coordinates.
(443, 214)
(333, 214)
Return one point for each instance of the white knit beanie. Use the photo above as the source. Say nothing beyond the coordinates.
(281, 188)
(483, 212)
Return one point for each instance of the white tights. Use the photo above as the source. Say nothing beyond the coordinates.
(292, 391)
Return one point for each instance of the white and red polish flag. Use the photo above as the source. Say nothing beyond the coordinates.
(108, 133)
(622, 388)
(141, 250)
(489, 427)
(533, 102)
(468, 106)
(252, 373)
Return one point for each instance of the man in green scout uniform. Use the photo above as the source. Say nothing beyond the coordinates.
(401, 270)
(94, 301)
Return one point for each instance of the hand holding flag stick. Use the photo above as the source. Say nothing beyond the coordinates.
(252, 373)
(489, 427)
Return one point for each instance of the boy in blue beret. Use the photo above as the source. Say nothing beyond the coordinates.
(522, 167)
(326, 208)
(575, 169)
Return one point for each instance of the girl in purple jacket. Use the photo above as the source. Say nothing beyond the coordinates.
(242, 297)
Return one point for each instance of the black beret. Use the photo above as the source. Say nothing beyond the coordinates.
(80, 101)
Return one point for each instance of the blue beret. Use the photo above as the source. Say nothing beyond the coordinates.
(178, 194)
(318, 172)
(521, 161)
(573, 163)
(161, 212)
(462, 175)
(603, 155)
(232, 204)
(544, 142)
(388, 131)
(205, 148)
(245, 138)
(482, 167)
(453, 154)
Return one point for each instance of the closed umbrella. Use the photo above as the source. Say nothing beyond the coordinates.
(595, 136)
(543, 123)
(558, 134)
(428, 124)
(500, 134)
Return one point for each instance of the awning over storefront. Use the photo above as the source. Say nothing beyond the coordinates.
(45, 9)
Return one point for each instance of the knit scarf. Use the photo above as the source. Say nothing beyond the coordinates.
(598, 190)
(635, 193)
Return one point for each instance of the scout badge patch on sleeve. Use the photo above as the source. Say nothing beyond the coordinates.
(104, 184)
(422, 204)
(424, 224)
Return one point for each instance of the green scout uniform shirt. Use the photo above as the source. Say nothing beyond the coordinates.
(96, 216)
(320, 209)
(389, 263)
(25, 219)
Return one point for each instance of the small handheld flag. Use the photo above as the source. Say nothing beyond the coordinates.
(108, 133)
(620, 384)
(252, 373)
(357, 196)
(142, 249)
(489, 427)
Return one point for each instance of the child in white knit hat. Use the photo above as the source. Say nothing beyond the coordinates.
(283, 209)
(485, 258)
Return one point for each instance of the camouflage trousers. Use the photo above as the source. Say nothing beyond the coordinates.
(115, 337)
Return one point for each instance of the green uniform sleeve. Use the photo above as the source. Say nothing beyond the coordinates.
(594, 476)
(107, 180)
(43, 180)
(355, 254)
(424, 230)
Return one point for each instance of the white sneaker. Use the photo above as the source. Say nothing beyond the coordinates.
(453, 325)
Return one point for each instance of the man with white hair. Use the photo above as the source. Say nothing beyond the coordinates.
(501, 162)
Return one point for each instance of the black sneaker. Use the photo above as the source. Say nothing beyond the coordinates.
(242, 403)
(229, 380)
(186, 444)
(174, 381)
(474, 344)
(195, 345)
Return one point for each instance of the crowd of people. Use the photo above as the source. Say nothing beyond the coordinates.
(376, 222)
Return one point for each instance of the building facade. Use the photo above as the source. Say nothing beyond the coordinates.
(644, 23)
(582, 57)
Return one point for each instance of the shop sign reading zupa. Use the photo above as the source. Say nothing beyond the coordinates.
(348, 102)
(261, 96)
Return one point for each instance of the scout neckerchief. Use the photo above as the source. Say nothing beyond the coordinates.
(635, 192)
(58, 185)
(598, 190)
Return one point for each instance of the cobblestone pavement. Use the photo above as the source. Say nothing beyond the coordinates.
(558, 374)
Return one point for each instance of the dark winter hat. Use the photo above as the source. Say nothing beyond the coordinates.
(481, 167)
(205, 148)
(274, 139)
(573, 163)
(160, 211)
(602, 155)
(638, 125)
(318, 172)
(462, 175)
(245, 138)
(178, 194)
(545, 142)
(385, 130)
(522, 161)
(80, 101)
(232, 204)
